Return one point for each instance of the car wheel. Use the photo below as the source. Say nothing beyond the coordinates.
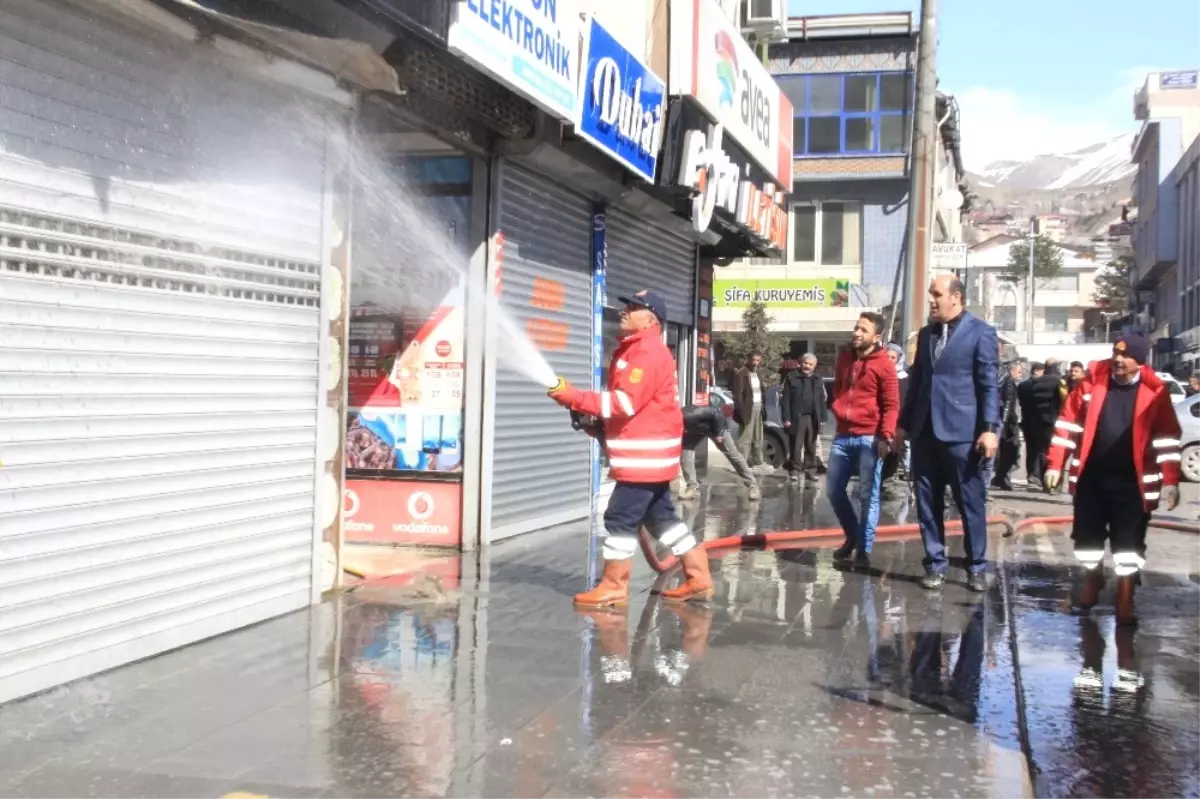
(1191, 463)
(774, 448)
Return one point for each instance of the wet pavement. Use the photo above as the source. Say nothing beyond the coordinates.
(478, 678)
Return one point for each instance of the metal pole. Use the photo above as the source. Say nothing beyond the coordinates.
(920, 194)
(1029, 302)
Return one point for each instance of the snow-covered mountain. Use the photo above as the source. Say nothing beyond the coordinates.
(1097, 165)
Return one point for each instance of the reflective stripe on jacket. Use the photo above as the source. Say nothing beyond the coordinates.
(643, 422)
(1156, 432)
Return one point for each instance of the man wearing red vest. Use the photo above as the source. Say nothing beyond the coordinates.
(643, 433)
(1122, 436)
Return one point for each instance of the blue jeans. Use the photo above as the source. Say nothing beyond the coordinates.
(851, 455)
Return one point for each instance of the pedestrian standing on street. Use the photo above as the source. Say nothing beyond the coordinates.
(748, 409)
(898, 463)
(1075, 374)
(866, 402)
(1122, 436)
(702, 423)
(952, 417)
(1193, 386)
(1010, 429)
(643, 432)
(803, 407)
(1040, 403)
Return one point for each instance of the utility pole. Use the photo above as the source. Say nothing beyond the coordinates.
(922, 162)
(1029, 301)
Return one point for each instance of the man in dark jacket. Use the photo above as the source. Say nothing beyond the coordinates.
(748, 408)
(1040, 399)
(803, 406)
(1010, 430)
(703, 423)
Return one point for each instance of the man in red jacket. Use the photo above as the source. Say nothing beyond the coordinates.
(866, 403)
(643, 433)
(1122, 436)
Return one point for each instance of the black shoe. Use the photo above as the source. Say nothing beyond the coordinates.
(844, 551)
(862, 560)
(932, 581)
(977, 582)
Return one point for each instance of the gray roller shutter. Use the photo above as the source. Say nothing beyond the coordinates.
(540, 466)
(643, 256)
(160, 278)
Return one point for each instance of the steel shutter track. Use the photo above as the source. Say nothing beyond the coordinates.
(540, 466)
(642, 256)
(160, 226)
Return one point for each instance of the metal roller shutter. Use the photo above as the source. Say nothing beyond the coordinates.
(540, 466)
(642, 256)
(160, 269)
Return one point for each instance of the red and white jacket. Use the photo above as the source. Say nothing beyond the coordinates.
(1156, 432)
(643, 421)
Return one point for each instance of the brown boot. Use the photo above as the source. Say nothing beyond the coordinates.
(1123, 602)
(1089, 589)
(696, 621)
(697, 581)
(613, 589)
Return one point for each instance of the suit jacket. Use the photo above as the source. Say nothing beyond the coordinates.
(958, 397)
(743, 395)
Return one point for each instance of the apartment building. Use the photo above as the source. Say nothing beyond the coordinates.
(850, 79)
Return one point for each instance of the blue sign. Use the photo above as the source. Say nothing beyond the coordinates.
(1178, 80)
(622, 104)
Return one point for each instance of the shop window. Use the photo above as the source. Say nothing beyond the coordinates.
(1056, 319)
(833, 229)
(406, 359)
(1060, 283)
(1004, 317)
(850, 114)
(827, 353)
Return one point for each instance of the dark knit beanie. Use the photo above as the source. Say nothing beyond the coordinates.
(1134, 345)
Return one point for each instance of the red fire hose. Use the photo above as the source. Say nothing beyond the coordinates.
(890, 532)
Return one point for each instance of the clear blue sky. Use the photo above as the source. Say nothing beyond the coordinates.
(1037, 76)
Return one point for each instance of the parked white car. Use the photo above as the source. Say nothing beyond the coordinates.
(1178, 394)
(1188, 412)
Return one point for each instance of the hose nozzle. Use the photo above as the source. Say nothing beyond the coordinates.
(559, 385)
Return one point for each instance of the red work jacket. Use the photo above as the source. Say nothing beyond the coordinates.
(1156, 431)
(643, 422)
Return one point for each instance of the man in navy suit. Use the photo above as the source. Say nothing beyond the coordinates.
(951, 416)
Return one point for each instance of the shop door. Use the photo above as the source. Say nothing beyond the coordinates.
(541, 469)
(160, 279)
(643, 256)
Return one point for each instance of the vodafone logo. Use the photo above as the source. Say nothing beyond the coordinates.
(443, 349)
(350, 507)
(420, 505)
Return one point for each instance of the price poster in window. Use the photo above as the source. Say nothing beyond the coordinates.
(430, 371)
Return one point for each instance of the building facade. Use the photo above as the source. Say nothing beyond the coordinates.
(851, 85)
(1061, 304)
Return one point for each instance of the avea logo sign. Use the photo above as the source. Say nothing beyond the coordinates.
(622, 105)
(727, 67)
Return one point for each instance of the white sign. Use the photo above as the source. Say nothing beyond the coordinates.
(948, 256)
(531, 46)
(709, 171)
(736, 90)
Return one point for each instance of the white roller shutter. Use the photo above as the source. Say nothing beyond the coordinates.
(643, 256)
(541, 468)
(160, 227)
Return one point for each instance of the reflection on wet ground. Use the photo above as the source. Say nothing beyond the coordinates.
(801, 678)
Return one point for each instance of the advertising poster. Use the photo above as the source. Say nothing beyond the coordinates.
(402, 512)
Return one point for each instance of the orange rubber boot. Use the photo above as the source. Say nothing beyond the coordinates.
(613, 589)
(697, 581)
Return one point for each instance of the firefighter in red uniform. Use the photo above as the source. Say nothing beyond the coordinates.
(1122, 436)
(643, 432)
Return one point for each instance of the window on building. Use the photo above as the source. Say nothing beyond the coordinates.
(1056, 319)
(1059, 283)
(850, 114)
(1005, 318)
(828, 233)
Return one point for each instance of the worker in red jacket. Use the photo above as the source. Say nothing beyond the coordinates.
(643, 433)
(1123, 438)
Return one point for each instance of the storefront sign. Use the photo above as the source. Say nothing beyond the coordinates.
(1184, 79)
(402, 512)
(531, 46)
(733, 87)
(707, 169)
(622, 103)
(781, 293)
